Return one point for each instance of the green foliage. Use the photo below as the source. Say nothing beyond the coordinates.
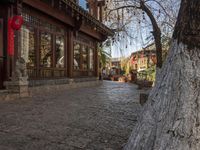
(148, 74)
(125, 65)
(104, 56)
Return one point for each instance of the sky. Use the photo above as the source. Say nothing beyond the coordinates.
(125, 48)
(82, 3)
(126, 45)
(140, 28)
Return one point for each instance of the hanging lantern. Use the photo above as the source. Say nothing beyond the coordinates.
(17, 22)
(10, 38)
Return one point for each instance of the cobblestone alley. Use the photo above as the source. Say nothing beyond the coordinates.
(96, 118)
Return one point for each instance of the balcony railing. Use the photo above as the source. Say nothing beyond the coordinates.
(72, 8)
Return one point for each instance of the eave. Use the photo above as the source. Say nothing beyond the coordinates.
(76, 12)
(103, 28)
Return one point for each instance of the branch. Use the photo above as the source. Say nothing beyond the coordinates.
(129, 6)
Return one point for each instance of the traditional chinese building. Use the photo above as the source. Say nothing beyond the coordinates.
(57, 39)
(144, 58)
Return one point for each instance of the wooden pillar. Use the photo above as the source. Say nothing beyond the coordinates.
(70, 56)
(9, 60)
(1, 54)
(17, 10)
(37, 52)
(101, 13)
(95, 8)
(96, 62)
(66, 53)
(5, 63)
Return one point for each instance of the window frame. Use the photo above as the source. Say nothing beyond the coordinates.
(38, 29)
(88, 47)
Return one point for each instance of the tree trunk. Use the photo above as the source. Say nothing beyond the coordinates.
(170, 120)
(156, 34)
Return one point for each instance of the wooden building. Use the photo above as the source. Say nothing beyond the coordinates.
(143, 59)
(58, 39)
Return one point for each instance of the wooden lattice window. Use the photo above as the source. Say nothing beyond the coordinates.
(37, 22)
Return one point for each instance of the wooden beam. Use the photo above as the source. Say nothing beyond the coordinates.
(91, 32)
(50, 11)
(60, 15)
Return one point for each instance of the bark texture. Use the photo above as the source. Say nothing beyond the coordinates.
(171, 118)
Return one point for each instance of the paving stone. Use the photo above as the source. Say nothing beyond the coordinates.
(78, 141)
(96, 118)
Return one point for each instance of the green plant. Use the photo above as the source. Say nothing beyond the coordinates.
(148, 74)
(104, 56)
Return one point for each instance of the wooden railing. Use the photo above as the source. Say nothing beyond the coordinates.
(73, 9)
(43, 73)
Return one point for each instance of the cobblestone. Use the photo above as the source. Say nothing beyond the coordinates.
(96, 118)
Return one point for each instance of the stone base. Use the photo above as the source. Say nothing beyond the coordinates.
(21, 89)
(72, 83)
(17, 87)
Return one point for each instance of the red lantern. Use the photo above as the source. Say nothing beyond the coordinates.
(17, 22)
(10, 38)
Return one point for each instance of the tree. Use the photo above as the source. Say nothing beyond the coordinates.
(104, 56)
(170, 120)
(139, 8)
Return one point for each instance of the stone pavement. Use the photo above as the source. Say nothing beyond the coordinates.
(96, 118)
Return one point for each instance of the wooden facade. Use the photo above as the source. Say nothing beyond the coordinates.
(58, 39)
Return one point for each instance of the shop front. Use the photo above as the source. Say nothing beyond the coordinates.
(57, 40)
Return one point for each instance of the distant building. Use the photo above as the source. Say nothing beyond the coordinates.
(116, 63)
(115, 66)
(144, 58)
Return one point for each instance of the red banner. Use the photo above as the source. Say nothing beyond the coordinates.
(10, 38)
